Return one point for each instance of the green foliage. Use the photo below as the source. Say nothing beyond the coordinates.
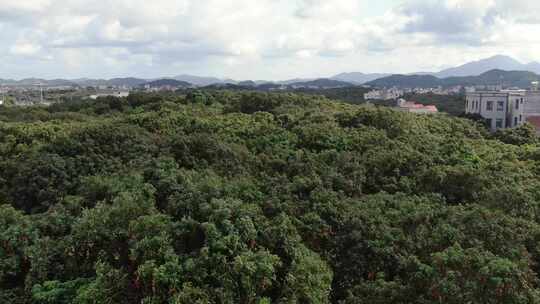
(257, 198)
(525, 134)
(451, 104)
(55, 292)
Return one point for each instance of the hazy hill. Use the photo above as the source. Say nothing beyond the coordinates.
(198, 80)
(125, 81)
(407, 81)
(358, 78)
(322, 83)
(248, 83)
(498, 62)
(168, 82)
(474, 68)
(520, 79)
(130, 81)
(38, 81)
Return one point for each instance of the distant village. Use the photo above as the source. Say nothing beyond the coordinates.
(47, 94)
(500, 107)
(395, 93)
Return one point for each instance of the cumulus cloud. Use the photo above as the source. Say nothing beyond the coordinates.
(25, 48)
(469, 22)
(250, 38)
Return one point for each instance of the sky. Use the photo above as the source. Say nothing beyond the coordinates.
(258, 39)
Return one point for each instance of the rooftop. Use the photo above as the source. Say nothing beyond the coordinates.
(534, 120)
(413, 106)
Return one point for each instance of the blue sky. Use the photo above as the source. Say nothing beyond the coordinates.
(263, 39)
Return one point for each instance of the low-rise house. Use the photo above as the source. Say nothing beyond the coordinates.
(535, 121)
(413, 107)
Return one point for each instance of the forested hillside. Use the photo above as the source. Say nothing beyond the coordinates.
(521, 79)
(260, 198)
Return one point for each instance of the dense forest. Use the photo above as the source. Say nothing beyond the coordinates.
(257, 198)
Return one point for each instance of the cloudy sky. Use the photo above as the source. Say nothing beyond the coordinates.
(258, 39)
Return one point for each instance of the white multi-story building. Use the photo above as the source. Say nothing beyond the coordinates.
(501, 109)
(112, 94)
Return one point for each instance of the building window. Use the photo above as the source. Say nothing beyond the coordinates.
(488, 122)
(517, 104)
(489, 105)
(499, 123)
(515, 121)
(500, 106)
(520, 118)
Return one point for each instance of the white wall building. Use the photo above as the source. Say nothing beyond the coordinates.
(501, 109)
(384, 94)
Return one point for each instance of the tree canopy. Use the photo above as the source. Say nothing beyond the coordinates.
(256, 198)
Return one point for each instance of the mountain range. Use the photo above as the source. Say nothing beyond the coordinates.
(520, 79)
(471, 69)
(167, 82)
(358, 78)
(498, 62)
(474, 68)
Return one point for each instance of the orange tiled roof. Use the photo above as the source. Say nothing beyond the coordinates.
(414, 105)
(534, 120)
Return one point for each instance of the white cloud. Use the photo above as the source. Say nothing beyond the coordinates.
(24, 48)
(253, 39)
(14, 6)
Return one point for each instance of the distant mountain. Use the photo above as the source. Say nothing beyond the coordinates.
(357, 77)
(247, 83)
(38, 81)
(269, 86)
(406, 81)
(167, 82)
(521, 79)
(227, 86)
(498, 62)
(533, 67)
(322, 83)
(200, 81)
(87, 82)
(130, 81)
(295, 80)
